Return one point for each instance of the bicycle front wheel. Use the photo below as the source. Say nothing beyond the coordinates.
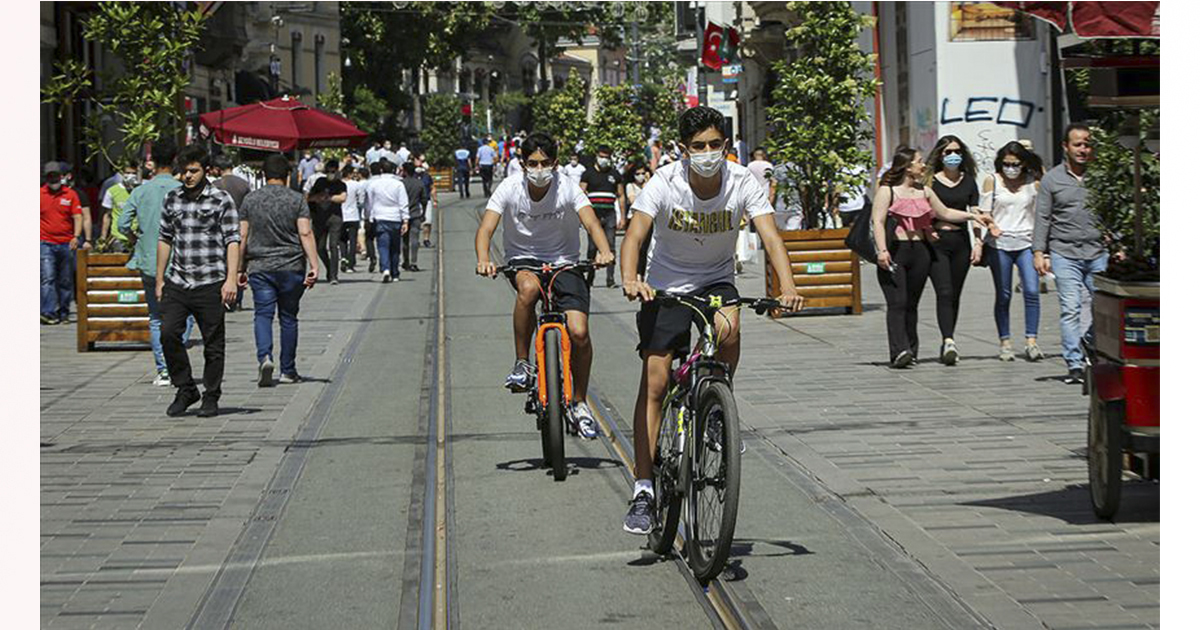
(716, 480)
(552, 425)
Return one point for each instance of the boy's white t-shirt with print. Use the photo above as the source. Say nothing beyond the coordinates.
(547, 230)
(694, 239)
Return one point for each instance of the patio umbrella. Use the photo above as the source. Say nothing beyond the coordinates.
(283, 124)
(1096, 19)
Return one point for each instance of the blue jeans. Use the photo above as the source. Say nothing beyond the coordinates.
(280, 290)
(1001, 263)
(1074, 279)
(388, 233)
(160, 362)
(58, 279)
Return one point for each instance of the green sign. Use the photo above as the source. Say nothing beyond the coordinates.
(816, 267)
(127, 297)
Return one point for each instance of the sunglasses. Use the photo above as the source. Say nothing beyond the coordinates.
(952, 152)
(711, 145)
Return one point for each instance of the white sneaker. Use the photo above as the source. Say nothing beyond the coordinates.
(387, 277)
(585, 422)
(162, 380)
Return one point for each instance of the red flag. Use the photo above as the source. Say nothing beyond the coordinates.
(713, 35)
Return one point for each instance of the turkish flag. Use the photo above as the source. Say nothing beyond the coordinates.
(713, 35)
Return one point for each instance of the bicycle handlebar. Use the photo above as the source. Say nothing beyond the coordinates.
(759, 305)
(547, 268)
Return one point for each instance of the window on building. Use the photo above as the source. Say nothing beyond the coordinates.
(983, 21)
(318, 53)
(296, 41)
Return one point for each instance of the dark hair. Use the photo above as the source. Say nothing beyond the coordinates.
(386, 166)
(1075, 126)
(331, 166)
(697, 119)
(410, 169)
(348, 171)
(376, 168)
(163, 153)
(194, 154)
(757, 149)
(1031, 164)
(222, 161)
(935, 157)
(364, 173)
(604, 148)
(276, 166)
(538, 141)
(901, 160)
(133, 164)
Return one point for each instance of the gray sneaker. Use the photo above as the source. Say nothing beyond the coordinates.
(1006, 353)
(163, 379)
(640, 518)
(1033, 352)
(266, 370)
(949, 353)
(585, 422)
(521, 378)
(292, 378)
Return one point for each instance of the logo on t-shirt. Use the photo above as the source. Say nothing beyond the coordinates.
(693, 222)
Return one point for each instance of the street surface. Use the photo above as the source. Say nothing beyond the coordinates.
(936, 497)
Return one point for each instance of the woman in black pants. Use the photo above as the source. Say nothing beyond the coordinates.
(953, 181)
(902, 223)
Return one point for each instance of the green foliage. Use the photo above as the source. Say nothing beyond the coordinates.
(659, 47)
(562, 113)
(441, 131)
(152, 40)
(368, 111)
(332, 100)
(819, 117)
(1111, 198)
(660, 106)
(506, 102)
(617, 122)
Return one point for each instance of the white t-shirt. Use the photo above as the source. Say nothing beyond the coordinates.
(514, 167)
(354, 194)
(1013, 212)
(694, 239)
(762, 173)
(575, 172)
(547, 230)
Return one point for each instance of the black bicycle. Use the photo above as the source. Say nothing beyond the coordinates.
(697, 461)
(550, 399)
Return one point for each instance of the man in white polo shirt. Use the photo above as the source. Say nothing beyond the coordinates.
(387, 208)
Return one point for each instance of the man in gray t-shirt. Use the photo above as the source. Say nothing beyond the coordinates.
(277, 241)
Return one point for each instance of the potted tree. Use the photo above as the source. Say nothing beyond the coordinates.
(1123, 378)
(819, 121)
(440, 136)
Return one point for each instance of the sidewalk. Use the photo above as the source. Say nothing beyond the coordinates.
(979, 470)
(138, 511)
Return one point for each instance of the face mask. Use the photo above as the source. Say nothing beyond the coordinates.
(56, 186)
(707, 164)
(1012, 172)
(128, 179)
(954, 160)
(420, 169)
(603, 162)
(639, 178)
(574, 162)
(539, 177)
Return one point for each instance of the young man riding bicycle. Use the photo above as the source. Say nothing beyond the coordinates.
(542, 209)
(695, 206)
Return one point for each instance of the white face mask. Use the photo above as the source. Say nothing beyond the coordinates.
(639, 178)
(129, 180)
(1012, 172)
(539, 177)
(603, 162)
(707, 164)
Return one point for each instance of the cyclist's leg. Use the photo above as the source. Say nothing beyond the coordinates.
(572, 296)
(727, 326)
(524, 317)
(647, 416)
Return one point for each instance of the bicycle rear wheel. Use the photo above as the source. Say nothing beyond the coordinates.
(716, 481)
(552, 426)
(671, 472)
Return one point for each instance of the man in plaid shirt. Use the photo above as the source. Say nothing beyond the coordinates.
(199, 238)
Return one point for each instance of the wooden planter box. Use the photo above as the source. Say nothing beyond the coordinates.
(824, 270)
(111, 302)
(443, 179)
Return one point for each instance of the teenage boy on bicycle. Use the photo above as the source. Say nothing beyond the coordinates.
(695, 206)
(542, 209)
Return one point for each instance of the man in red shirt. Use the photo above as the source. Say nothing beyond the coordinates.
(62, 227)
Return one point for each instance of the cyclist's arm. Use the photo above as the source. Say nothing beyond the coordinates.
(776, 252)
(587, 217)
(483, 236)
(636, 232)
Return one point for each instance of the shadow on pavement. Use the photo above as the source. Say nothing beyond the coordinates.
(574, 464)
(1073, 505)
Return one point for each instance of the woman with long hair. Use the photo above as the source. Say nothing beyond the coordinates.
(1010, 197)
(952, 178)
(904, 249)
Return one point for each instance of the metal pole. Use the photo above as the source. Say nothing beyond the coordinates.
(701, 80)
(637, 53)
(1056, 96)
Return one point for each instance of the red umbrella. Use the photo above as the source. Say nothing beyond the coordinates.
(283, 124)
(1096, 19)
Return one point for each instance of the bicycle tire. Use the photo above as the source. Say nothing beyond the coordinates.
(552, 428)
(668, 491)
(708, 551)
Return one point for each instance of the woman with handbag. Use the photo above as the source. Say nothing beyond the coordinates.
(1010, 198)
(902, 225)
(953, 181)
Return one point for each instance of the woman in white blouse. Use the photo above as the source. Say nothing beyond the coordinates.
(1009, 198)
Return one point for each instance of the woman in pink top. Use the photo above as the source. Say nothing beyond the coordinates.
(902, 217)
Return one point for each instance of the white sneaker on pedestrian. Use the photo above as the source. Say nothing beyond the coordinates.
(387, 277)
(163, 379)
(266, 370)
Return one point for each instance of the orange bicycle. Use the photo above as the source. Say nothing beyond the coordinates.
(552, 349)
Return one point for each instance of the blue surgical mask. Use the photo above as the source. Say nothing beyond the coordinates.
(954, 160)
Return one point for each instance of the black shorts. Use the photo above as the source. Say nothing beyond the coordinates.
(571, 292)
(662, 327)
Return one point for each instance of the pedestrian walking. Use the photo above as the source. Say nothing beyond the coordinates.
(279, 261)
(374, 153)
(309, 165)
(1067, 241)
(485, 162)
(641, 178)
(953, 181)
(605, 191)
(351, 218)
(789, 214)
(431, 202)
(462, 172)
(72, 183)
(851, 201)
(112, 204)
(418, 198)
(61, 235)
(574, 169)
(140, 223)
(387, 208)
(325, 207)
(198, 250)
(514, 163)
(238, 188)
(1010, 198)
(902, 217)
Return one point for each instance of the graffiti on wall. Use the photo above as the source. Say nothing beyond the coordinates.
(994, 113)
(926, 129)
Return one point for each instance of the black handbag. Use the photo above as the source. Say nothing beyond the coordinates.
(861, 240)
